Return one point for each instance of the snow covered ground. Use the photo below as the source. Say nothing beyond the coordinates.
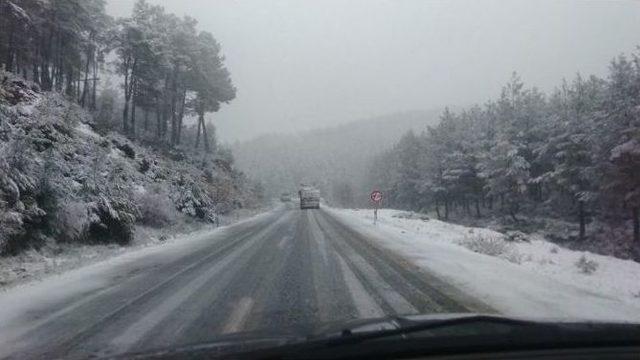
(521, 278)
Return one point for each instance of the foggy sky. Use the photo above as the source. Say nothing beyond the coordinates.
(306, 64)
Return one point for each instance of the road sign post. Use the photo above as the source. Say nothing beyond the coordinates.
(376, 199)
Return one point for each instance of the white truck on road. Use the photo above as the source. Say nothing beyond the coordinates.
(309, 197)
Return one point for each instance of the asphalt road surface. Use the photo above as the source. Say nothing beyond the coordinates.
(286, 272)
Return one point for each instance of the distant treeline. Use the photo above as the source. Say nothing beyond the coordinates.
(169, 68)
(573, 154)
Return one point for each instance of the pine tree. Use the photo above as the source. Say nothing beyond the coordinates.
(620, 149)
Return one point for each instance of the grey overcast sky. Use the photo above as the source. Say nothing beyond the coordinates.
(306, 64)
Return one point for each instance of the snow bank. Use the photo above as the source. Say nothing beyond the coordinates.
(535, 278)
(33, 265)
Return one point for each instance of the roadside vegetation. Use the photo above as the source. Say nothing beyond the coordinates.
(502, 266)
(566, 163)
(103, 126)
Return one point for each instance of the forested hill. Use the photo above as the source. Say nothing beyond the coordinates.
(336, 159)
(572, 154)
(86, 162)
(166, 68)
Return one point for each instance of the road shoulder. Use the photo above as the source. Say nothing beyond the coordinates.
(509, 288)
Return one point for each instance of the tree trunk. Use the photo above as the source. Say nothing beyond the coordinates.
(85, 88)
(446, 208)
(438, 209)
(174, 120)
(636, 224)
(125, 116)
(198, 134)
(78, 88)
(125, 111)
(44, 76)
(174, 100)
(59, 68)
(129, 81)
(183, 101)
(60, 73)
(477, 208)
(133, 116)
(205, 138)
(10, 49)
(514, 208)
(34, 72)
(513, 215)
(46, 69)
(165, 121)
(158, 120)
(165, 101)
(145, 125)
(69, 89)
(540, 193)
(581, 216)
(94, 85)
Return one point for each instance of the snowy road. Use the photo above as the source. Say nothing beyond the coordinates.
(285, 271)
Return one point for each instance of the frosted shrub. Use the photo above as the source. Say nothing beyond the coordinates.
(11, 225)
(492, 246)
(17, 154)
(112, 220)
(513, 256)
(517, 236)
(586, 266)
(73, 219)
(410, 215)
(156, 208)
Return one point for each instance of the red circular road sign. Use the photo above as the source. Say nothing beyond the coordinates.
(376, 196)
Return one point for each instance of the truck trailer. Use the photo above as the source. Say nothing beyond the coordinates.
(309, 198)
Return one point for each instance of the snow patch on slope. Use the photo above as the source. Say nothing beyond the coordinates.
(85, 130)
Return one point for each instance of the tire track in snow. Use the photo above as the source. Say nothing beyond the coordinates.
(239, 316)
(426, 292)
(156, 315)
(387, 297)
(365, 305)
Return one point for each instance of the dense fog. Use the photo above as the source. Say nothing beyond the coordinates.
(300, 65)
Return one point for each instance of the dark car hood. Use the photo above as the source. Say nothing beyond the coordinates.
(342, 332)
(219, 346)
(253, 340)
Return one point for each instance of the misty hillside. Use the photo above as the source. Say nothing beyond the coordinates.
(85, 161)
(336, 159)
(63, 182)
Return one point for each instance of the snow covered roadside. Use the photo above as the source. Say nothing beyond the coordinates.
(37, 265)
(90, 281)
(535, 278)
